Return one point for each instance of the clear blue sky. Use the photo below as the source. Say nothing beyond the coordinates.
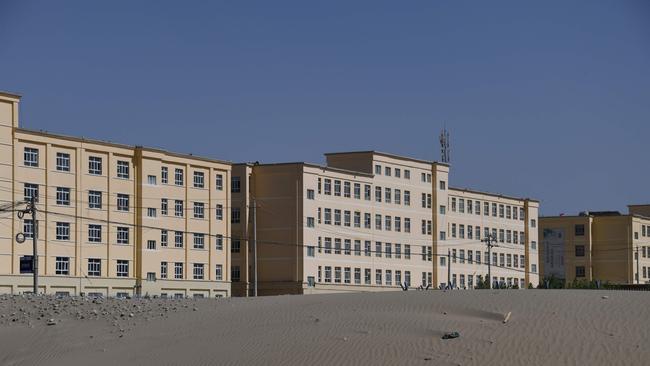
(549, 100)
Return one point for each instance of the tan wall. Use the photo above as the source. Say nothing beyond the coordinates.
(568, 225)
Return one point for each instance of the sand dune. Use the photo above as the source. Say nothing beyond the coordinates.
(545, 328)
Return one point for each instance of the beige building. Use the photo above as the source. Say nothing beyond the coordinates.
(112, 219)
(606, 246)
(370, 221)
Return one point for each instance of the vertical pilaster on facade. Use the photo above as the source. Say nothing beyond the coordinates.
(440, 173)
(8, 122)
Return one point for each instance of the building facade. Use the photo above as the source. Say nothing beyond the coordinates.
(606, 246)
(112, 219)
(370, 221)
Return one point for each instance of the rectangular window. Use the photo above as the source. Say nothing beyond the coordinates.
(178, 270)
(328, 187)
(346, 218)
(311, 251)
(357, 276)
(337, 217)
(178, 208)
(378, 277)
(398, 173)
(163, 269)
(378, 249)
(199, 241)
(219, 182)
(378, 222)
(219, 211)
(219, 242)
(357, 247)
(95, 199)
(94, 165)
(122, 202)
(164, 175)
(328, 216)
(122, 235)
(164, 238)
(357, 191)
(63, 196)
(388, 250)
(178, 239)
(151, 244)
(367, 249)
(123, 169)
(357, 219)
(398, 223)
(151, 180)
(199, 210)
(407, 225)
(377, 194)
(218, 274)
(337, 188)
(235, 246)
(387, 195)
(94, 267)
(461, 205)
(62, 231)
(310, 222)
(94, 233)
(367, 219)
(337, 246)
(164, 206)
(387, 171)
(62, 266)
(377, 169)
(580, 271)
(398, 197)
(62, 162)
(28, 228)
(31, 157)
(580, 250)
(367, 190)
(580, 230)
(151, 212)
(198, 271)
(199, 180)
(310, 194)
(122, 268)
(328, 245)
(30, 190)
(178, 177)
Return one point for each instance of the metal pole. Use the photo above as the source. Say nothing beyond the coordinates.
(638, 276)
(449, 268)
(34, 242)
(489, 245)
(255, 247)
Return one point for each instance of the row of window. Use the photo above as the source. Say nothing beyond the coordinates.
(397, 173)
(62, 267)
(497, 210)
(348, 190)
(353, 247)
(95, 167)
(496, 281)
(474, 257)
(347, 217)
(474, 232)
(349, 275)
(198, 271)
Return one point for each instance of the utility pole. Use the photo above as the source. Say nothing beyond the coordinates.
(32, 209)
(638, 275)
(255, 247)
(489, 241)
(449, 268)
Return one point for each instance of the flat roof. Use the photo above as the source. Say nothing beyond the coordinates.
(387, 155)
(492, 194)
(119, 145)
(324, 167)
(10, 94)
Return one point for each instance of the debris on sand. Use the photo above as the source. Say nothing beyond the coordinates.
(451, 335)
(507, 317)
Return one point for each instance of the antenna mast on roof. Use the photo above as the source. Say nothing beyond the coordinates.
(444, 146)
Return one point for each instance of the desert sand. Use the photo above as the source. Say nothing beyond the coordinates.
(545, 327)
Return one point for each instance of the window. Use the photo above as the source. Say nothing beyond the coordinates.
(163, 269)
(357, 191)
(494, 209)
(199, 180)
(199, 210)
(310, 222)
(95, 199)
(197, 272)
(521, 214)
(122, 268)
(398, 223)
(311, 251)
(423, 177)
(580, 271)
(123, 169)
(580, 230)
(357, 219)
(30, 190)
(461, 205)
(424, 200)
(443, 209)
(219, 242)
(328, 186)
(378, 277)
(178, 239)
(199, 241)
(122, 202)
(388, 250)
(219, 211)
(508, 212)
(94, 267)
(319, 188)
(407, 174)
(310, 194)
(337, 188)
(151, 276)
(235, 246)
(443, 235)
(328, 245)
(62, 162)
(94, 233)
(366, 274)
(357, 247)
(357, 276)
(501, 211)
(151, 244)
(94, 165)
(62, 231)
(367, 190)
(533, 268)
(366, 248)
(151, 212)
(378, 194)
(178, 270)
(337, 217)
(122, 235)
(178, 176)
(477, 207)
(407, 225)
(235, 215)
(388, 195)
(218, 275)
(378, 169)
(328, 216)
(378, 249)
(62, 265)
(533, 223)
(580, 250)
(164, 238)
(31, 157)
(337, 274)
(337, 246)
(328, 274)
(63, 196)
(387, 171)
(378, 222)
(178, 208)
(28, 228)
(346, 218)
(366, 222)
(164, 175)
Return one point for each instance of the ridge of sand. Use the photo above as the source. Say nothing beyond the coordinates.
(545, 327)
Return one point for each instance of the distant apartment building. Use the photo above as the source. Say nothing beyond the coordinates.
(112, 219)
(605, 245)
(371, 221)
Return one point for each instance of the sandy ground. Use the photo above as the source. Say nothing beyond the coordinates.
(563, 327)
